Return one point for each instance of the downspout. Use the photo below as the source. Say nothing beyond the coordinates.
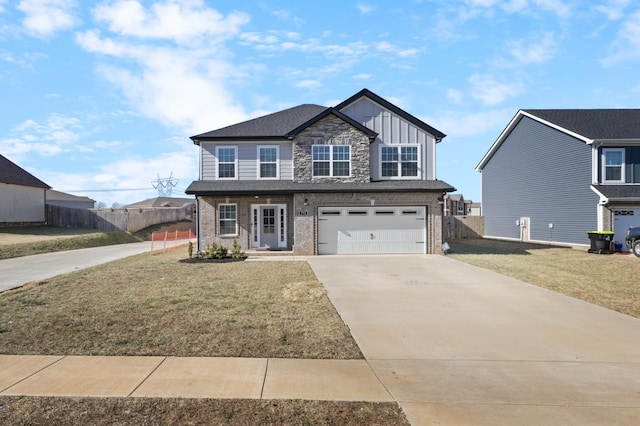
(198, 247)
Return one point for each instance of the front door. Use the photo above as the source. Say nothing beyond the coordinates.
(268, 228)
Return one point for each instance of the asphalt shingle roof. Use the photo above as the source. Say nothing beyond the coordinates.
(252, 187)
(595, 124)
(619, 191)
(275, 125)
(13, 174)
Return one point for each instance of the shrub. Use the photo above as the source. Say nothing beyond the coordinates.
(190, 249)
(215, 251)
(236, 251)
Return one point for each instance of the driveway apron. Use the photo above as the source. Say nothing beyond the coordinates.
(457, 344)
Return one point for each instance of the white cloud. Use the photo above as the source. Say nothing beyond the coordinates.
(462, 125)
(454, 95)
(537, 52)
(308, 84)
(490, 91)
(45, 17)
(2, 3)
(57, 135)
(365, 8)
(184, 22)
(362, 76)
(179, 84)
(613, 9)
(627, 43)
(111, 181)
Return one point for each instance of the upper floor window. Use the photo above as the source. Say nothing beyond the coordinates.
(399, 161)
(268, 162)
(331, 160)
(227, 162)
(228, 219)
(613, 165)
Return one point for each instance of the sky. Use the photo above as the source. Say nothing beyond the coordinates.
(100, 98)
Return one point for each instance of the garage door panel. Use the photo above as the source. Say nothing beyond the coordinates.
(371, 230)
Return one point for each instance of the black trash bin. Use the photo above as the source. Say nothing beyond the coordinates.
(601, 242)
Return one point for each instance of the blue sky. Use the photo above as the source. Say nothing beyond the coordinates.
(103, 96)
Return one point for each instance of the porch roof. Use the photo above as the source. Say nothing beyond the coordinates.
(287, 187)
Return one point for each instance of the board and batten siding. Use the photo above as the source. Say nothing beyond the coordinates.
(392, 130)
(247, 159)
(545, 175)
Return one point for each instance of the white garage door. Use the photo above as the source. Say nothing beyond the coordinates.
(364, 230)
(624, 219)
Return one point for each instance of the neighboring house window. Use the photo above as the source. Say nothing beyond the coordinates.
(227, 162)
(331, 160)
(228, 219)
(399, 161)
(613, 162)
(268, 162)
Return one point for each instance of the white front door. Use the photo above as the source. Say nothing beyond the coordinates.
(269, 226)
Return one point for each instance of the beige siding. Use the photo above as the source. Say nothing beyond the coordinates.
(21, 203)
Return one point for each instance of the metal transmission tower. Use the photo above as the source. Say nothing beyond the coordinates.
(165, 185)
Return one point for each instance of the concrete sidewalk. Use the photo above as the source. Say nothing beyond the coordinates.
(21, 270)
(228, 378)
(460, 345)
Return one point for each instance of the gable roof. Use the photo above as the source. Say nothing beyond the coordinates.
(594, 124)
(370, 133)
(13, 174)
(587, 125)
(271, 126)
(391, 107)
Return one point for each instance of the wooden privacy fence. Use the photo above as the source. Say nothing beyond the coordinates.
(462, 227)
(162, 241)
(108, 220)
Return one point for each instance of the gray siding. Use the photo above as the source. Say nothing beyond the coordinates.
(392, 130)
(543, 174)
(247, 159)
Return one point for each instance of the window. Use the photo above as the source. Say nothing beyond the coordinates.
(399, 161)
(613, 165)
(268, 162)
(228, 219)
(227, 162)
(331, 160)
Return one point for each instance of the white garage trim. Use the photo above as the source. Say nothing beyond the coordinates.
(372, 230)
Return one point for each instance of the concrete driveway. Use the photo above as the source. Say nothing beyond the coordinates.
(459, 345)
(21, 270)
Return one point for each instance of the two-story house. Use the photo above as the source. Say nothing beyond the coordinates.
(552, 175)
(359, 177)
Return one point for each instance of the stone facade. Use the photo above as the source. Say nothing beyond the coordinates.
(331, 130)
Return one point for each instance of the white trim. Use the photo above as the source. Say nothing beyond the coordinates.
(235, 163)
(604, 166)
(256, 221)
(331, 161)
(277, 162)
(399, 147)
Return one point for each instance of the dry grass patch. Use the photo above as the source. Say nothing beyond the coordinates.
(144, 411)
(157, 305)
(606, 280)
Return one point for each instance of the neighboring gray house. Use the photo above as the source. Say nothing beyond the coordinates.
(162, 202)
(553, 175)
(62, 199)
(22, 195)
(356, 178)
